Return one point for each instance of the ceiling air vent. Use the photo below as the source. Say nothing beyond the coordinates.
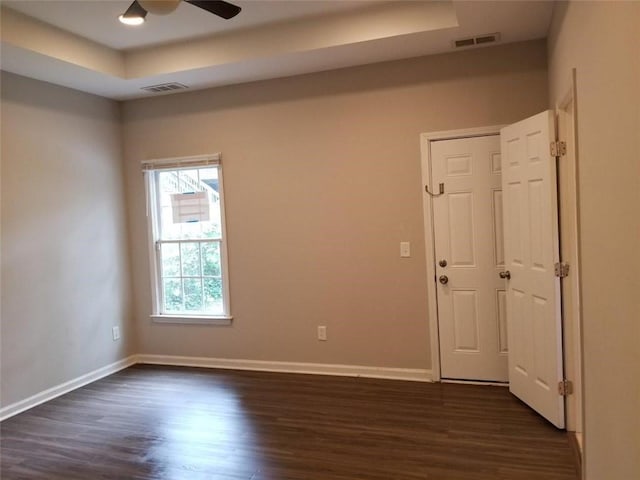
(164, 87)
(479, 40)
(465, 42)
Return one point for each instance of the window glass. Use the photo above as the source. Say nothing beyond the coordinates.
(189, 243)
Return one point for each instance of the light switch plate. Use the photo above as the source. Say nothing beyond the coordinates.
(405, 249)
(322, 333)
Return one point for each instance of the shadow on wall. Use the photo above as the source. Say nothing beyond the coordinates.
(75, 104)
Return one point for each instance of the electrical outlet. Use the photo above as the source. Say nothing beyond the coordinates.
(322, 332)
(115, 331)
(405, 249)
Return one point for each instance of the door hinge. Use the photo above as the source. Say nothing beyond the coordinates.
(561, 269)
(565, 387)
(558, 149)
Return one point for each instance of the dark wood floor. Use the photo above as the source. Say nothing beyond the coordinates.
(194, 424)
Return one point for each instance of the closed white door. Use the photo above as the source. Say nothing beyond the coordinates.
(469, 257)
(531, 251)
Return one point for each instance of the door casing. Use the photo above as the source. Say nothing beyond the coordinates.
(427, 211)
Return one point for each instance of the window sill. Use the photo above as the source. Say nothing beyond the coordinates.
(192, 319)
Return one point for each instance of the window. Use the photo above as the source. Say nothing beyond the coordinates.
(186, 225)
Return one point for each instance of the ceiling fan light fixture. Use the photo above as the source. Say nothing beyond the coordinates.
(137, 11)
(131, 20)
(159, 7)
(134, 15)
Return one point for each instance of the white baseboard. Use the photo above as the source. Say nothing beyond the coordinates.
(475, 382)
(53, 392)
(412, 374)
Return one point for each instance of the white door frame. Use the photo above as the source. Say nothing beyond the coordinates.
(427, 212)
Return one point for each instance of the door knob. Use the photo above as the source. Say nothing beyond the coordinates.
(506, 274)
(443, 279)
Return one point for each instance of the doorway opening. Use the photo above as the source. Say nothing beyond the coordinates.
(464, 237)
(465, 335)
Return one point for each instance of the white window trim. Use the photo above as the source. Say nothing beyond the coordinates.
(149, 168)
(192, 319)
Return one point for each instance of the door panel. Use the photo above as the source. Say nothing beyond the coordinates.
(468, 223)
(461, 240)
(531, 250)
(465, 320)
(502, 320)
(498, 229)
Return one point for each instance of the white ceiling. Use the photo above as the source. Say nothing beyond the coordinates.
(81, 44)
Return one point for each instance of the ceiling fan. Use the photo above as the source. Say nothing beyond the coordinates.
(138, 10)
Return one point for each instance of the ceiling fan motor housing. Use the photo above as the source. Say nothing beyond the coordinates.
(159, 7)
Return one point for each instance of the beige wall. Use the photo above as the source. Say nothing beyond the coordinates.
(322, 179)
(64, 263)
(601, 40)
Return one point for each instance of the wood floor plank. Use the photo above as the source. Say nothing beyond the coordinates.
(170, 423)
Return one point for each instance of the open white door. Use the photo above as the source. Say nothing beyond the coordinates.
(531, 252)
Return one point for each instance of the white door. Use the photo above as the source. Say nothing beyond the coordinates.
(531, 250)
(570, 287)
(469, 256)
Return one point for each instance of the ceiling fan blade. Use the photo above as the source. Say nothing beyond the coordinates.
(223, 9)
(135, 10)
